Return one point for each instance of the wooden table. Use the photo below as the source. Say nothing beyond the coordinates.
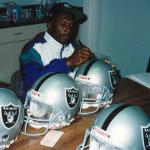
(127, 91)
(131, 92)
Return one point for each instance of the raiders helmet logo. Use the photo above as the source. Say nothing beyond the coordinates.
(10, 115)
(72, 96)
(146, 136)
(112, 77)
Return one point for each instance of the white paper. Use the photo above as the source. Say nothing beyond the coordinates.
(51, 138)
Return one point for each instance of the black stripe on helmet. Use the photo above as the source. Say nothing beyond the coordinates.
(113, 115)
(88, 67)
(43, 80)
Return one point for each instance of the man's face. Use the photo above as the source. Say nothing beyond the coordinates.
(63, 28)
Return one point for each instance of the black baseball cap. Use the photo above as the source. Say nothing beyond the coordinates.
(77, 12)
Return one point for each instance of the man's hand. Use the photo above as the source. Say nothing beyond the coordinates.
(81, 55)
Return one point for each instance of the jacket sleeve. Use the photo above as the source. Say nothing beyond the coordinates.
(32, 67)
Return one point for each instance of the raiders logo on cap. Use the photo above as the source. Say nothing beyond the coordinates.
(146, 136)
(72, 96)
(10, 115)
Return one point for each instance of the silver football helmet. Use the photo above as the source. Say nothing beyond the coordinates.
(11, 120)
(119, 127)
(52, 103)
(97, 81)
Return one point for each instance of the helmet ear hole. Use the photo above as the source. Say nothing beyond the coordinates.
(5, 137)
(62, 117)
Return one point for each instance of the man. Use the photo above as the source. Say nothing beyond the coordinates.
(56, 50)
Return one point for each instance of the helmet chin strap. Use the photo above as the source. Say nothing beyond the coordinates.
(95, 103)
(93, 96)
(38, 126)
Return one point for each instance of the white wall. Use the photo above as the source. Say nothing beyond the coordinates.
(90, 30)
(125, 34)
(119, 29)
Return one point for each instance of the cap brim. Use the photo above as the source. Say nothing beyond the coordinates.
(80, 17)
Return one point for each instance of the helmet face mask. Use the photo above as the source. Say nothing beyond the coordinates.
(38, 108)
(52, 103)
(97, 81)
(118, 127)
(93, 96)
(92, 91)
(11, 120)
